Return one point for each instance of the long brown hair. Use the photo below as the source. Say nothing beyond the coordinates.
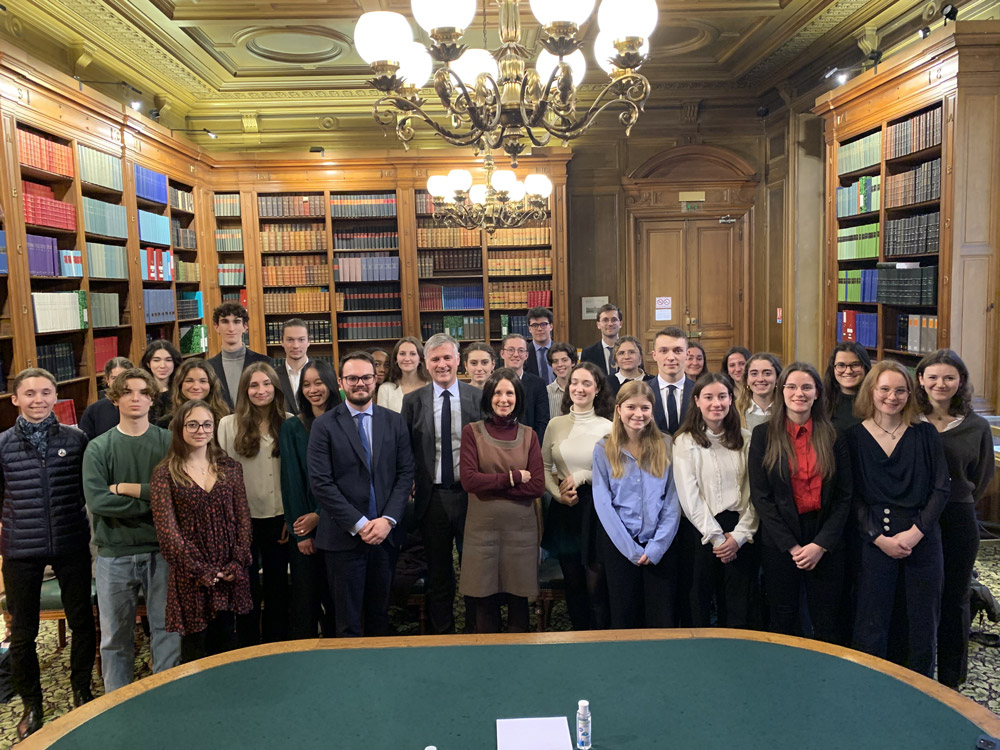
(214, 398)
(694, 422)
(780, 451)
(652, 456)
(746, 395)
(395, 374)
(249, 417)
(603, 405)
(961, 402)
(179, 449)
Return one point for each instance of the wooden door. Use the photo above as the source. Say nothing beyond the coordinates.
(690, 275)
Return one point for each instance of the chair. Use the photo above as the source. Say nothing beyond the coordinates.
(551, 588)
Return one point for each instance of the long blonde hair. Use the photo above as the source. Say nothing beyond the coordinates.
(652, 456)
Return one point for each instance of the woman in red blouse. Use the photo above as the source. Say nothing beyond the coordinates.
(203, 524)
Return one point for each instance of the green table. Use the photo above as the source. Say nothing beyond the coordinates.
(647, 690)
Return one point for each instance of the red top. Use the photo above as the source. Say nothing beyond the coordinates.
(807, 484)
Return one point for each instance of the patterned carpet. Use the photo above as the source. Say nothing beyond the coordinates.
(983, 685)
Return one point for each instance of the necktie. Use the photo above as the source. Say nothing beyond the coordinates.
(543, 365)
(447, 460)
(671, 410)
(610, 361)
(372, 510)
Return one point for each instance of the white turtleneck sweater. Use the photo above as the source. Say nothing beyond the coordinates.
(712, 480)
(568, 447)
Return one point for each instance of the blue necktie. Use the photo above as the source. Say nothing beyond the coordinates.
(543, 365)
(372, 510)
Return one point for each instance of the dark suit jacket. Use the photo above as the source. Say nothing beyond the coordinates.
(418, 414)
(659, 414)
(595, 355)
(249, 359)
(615, 386)
(291, 402)
(339, 477)
(531, 363)
(536, 404)
(771, 494)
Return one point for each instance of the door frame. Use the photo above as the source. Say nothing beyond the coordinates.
(653, 193)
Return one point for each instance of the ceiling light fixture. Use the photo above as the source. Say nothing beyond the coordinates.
(842, 78)
(924, 32)
(830, 72)
(950, 13)
(317, 150)
(497, 100)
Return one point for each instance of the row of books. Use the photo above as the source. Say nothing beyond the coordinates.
(381, 327)
(915, 186)
(858, 326)
(4, 267)
(188, 271)
(860, 197)
(914, 134)
(241, 297)
(371, 297)
(308, 299)
(71, 263)
(227, 204)
(280, 206)
(229, 240)
(159, 305)
(375, 237)
(150, 185)
(3, 259)
(320, 331)
(520, 294)
(194, 339)
(44, 152)
(854, 243)
(519, 262)
(462, 327)
(190, 305)
(154, 228)
(60, 311)
(58, 359)
(107, 261)
(42, 208)
(284, 238)
(65, 411)
(916, 334)
(913, 235)
(430, 236)
(181, 199)
(370, 267)
(859, 154)
(295, 275)
(43, 255)
(105, 348)
(106, 219)
(424, 202)
(231, 274)
(181, 237)
(104, 310)
(99, 168)
(857, 286)
(907, 284)
(156, 264)
(530, 234)
(430, 262)
(362, 205)
(513, 324)
(459, 297)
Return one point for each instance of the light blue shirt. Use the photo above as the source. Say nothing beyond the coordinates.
(543, 361)
(370, 411)
(639, 512)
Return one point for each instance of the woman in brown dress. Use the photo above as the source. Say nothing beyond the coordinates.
(501, 469)
(202, 521)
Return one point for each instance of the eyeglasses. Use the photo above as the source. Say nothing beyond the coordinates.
(806, 389)
(508, 350)
(885, 391)
(199, 426)
(844, 367)
(542, 324)
(355, 379)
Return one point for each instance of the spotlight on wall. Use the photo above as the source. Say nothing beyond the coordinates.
(317, 150)
(763, 112)
(3, 8)
(136, 105)
(154, 114)
(209, 133)
(841, 78)
(950, 13)
(924, 32)
(830, 72)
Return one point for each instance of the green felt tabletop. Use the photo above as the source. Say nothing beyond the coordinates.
(671, 694)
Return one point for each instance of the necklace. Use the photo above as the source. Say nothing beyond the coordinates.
(890, 434)
(203, 470)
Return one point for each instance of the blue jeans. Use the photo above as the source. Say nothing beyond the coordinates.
(118, 582)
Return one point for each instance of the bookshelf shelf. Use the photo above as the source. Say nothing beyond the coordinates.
(152, 205)
(446, 277)
(56, 231)
(105, 238)
(67, 332)
(858, 218)
(89, 188)
(506, 276)
(80, 379)
(914, 157)
(189, 320)
(292, 252)
(189, 355)
(182, 211)
(904, 353)
(368, 312)
(113, 328)
(44, 175)
(871, 305)
(365, 250)
(456, 310)
(163, 245)
(849, 177)
(295, 314)
(55, 278)
(912, 207)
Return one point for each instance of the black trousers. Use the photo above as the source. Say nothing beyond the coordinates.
(959, 547)
(443, 526)
(271, 595)
(731, 585)
(310, 600)
(488, 619)
(23, 583)
(217, 638)
(686, 546)
(639, 595)
(583, 577)
(360, 584)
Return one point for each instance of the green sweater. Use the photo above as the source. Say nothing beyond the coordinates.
(123, 525)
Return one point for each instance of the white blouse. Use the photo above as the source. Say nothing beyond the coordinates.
(261, 474)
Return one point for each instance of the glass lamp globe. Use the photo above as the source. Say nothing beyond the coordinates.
(538, 184)
(472, 63)
(380, 34)
(438, 185)
(503, 180)
(460, 180)
(566, 11)
(477, 194)
(604, 50)
(443, 14)
(415, 64)
(625, 18)
(547, 62)
(517, 191)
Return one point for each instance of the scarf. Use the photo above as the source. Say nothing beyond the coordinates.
(37, 433)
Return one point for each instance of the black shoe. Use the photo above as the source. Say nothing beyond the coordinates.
(81, 696)
(31, 720)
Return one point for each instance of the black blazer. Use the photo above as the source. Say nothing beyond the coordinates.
(595, 355)
(615, 386)
(339, 477)
(659, 414)
(291, 402)
(531, 363)
(771, 495)
(536, 404)
(249, 359)
(418, 414)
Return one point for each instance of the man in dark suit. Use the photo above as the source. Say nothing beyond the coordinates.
(295, 342)
(609, 323)
(231, 321)
(514, 351)
(436, 421)
(361, 472)
(537, 361)
(671, 389)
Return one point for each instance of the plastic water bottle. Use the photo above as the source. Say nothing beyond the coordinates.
(583, 725)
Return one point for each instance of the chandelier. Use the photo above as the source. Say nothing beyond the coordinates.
(494, 99)
(501, 201)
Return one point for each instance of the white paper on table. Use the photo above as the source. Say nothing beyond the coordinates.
(551, 733)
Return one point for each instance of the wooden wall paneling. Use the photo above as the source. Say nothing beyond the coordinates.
(560, 274)
(87, 366)
(251, 265)
(208, 258)
(136, 306)
(406, 223)
(594, 265)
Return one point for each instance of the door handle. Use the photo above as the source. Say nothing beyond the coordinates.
(694, 334)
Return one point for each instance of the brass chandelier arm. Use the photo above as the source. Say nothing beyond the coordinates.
(394, 105)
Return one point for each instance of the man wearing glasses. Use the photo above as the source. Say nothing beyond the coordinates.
(537, 363)
(361, 472)
(514, 351)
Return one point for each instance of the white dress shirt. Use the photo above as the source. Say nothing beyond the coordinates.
(665, 394)
(456, 428)
(294, 376)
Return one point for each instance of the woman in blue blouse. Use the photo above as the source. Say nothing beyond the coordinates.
(637, 505)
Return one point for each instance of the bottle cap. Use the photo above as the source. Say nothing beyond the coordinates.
(583, 704)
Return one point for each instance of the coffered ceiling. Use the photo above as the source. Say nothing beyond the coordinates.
(274, 74)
